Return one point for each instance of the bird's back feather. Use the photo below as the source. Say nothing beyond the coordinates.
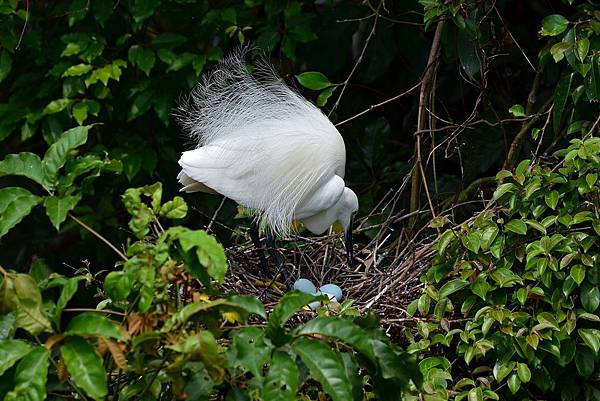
(259, 142)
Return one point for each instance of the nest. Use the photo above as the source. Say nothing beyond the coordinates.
(384, 280)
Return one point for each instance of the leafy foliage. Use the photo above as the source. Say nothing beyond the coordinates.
(182, 336)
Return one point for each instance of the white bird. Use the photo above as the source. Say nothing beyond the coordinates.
(263, 145)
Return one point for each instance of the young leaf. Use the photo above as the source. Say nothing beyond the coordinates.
(57, 207)
(325, 366)
(85, 367)
(57, 154)
(517, 110)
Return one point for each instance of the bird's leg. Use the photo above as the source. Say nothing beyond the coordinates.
(350, 245)
(255, 236)
(272, 246)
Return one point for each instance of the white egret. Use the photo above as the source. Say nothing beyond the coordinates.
(263, 145)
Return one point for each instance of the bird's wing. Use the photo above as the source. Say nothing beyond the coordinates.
(271, 173)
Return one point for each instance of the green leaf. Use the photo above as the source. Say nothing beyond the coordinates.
(57, 207)
(85, 367)
(340, 329)
(288, 305)
(503, 369)
(249, 350)
(504, 189)
(472, 241)
(10, 352)
(517, 110)
(249, 304)
(561, 96)
(590, 297)
(25, 164)
(143, 58)
(77, 70)
(582, 46)
(523, 372)
(209, 252)
(30, 377)
(313, 80)
(451, 287)
(7, 325)
(15, 204)
(475, 394)
(554, 25)
(57, 106)
(174, 209)
(325, 366)
(69, 289)
(551, 199)
(57, 154)
(282, 381)
(578, 273)
(591, 337)
(117, 285)
(93, 324)
(516, 226)
(21, 294)
(584, 361)
(5, 64)
(514, 383)
(325, 95)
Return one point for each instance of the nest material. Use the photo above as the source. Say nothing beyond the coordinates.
(385, 279)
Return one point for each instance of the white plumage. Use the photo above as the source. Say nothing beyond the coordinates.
(263, 145)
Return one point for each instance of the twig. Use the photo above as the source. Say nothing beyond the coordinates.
(515, 146)
(358, 61)
(424, 98)
(374, 106)
(111, 312)
(24, 25)
(100, 237)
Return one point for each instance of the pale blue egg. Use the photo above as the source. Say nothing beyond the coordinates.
(332, 290)
(306, 286)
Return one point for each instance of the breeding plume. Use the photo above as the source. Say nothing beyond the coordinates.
(263, 145)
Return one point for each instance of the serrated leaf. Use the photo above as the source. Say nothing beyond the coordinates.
(93, 324)
(142, 58)
(24, 164)
(282, 380)
(58, 207)
(325, 366)
(85, 367)
(77, 70)
(30, 377)
(288, 305)
(174, 209)
(57, 154)
(313, 80)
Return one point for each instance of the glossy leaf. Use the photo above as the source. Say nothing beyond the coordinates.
(10, 352)
(25, 164)
(93, 324)
(30, 377)
(15, 204)
(313, 80)
(85, 367)
(325, 366)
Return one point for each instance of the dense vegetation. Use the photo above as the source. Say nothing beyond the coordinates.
(481, 116)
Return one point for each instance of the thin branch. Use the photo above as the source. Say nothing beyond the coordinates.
(358, 61)
(100, 237)
(374, 106)
(24, 25)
